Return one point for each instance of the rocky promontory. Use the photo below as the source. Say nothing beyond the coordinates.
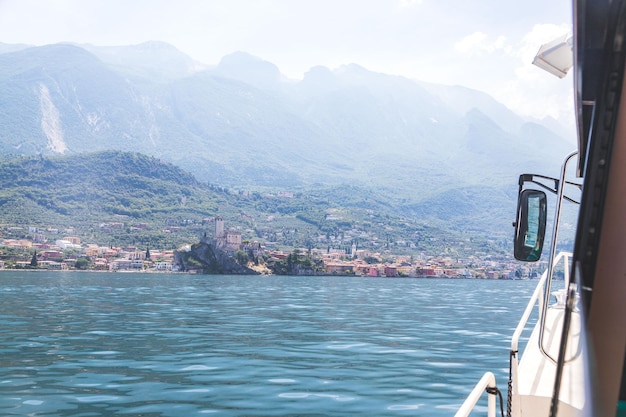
(206, 258)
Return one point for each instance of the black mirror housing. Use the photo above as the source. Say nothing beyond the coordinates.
(530, 225)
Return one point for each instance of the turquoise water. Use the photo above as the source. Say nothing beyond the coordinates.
(91, 344)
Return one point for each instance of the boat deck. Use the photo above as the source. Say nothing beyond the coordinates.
(536, 373)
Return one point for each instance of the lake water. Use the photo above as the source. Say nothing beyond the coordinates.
(101, 344)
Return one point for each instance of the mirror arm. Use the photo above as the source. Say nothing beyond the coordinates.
(524, 178)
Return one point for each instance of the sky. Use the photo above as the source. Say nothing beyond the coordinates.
(487, 45)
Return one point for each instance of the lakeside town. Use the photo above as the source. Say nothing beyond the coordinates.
(54, 249)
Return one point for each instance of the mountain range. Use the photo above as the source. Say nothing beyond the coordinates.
(444, 153)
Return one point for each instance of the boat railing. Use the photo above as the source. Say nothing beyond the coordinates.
(539, 299)
(488, 381)
(486, 384)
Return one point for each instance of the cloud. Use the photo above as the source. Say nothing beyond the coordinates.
(534, 92)
(538, 35)
(504, 70)
(409, 3)
(478, 43)
(419, 39)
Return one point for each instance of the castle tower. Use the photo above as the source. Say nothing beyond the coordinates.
(219, 227)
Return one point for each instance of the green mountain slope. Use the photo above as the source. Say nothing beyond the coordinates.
(128, 198)
(84, 191)
(243, 126)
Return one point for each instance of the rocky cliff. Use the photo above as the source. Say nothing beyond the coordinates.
(204, 257)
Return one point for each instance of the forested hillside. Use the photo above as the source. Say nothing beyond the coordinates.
(438, 155)
(160, 205)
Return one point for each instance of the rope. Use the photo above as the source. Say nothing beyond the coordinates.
(509, 397)
(494, 391)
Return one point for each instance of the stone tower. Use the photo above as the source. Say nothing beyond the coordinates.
(219, 227)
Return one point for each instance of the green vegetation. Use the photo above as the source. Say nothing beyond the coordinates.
(116, 198)
(82, 264)
(296, 263)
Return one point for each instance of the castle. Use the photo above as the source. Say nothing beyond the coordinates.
(228, 241)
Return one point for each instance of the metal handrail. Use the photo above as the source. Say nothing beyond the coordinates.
(552, 263)
(487, 381)
(537, 296)
(538, 299)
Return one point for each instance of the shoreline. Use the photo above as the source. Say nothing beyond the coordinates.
(258, 275)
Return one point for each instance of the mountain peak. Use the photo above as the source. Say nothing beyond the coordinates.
(250, 69)
(12, 47)
(155, 60)
(155, 45)
(353, 69)
(60, 57)
(240, 57)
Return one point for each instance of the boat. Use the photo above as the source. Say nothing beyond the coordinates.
(573, 362)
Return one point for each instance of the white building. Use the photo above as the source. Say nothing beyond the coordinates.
(66, 244)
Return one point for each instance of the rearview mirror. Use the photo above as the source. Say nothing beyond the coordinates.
(530, 226)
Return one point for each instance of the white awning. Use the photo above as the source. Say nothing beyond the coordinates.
(556, 57)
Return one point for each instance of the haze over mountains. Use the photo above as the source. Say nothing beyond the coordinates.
(432, 150)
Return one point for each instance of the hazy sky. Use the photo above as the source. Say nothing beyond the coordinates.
(483, 44)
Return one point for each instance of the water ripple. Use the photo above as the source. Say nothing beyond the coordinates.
(75, 344)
